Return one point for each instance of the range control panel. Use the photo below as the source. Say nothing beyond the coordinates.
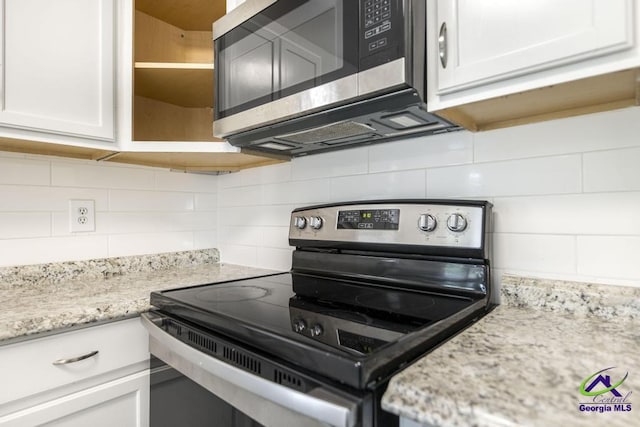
(441, 224)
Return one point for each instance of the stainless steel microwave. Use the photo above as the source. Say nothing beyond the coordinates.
(296, 77)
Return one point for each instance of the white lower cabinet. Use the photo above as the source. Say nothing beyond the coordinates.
(96, 376)
(123, 402)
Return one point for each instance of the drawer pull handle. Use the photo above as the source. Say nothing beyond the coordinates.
(75, 359)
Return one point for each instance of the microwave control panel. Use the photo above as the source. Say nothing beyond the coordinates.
(381, 32)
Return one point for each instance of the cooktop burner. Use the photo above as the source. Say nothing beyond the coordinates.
(222, 294)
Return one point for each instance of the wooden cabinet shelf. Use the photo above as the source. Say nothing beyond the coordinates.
(188, 14)
(173, 70)
(183, 84)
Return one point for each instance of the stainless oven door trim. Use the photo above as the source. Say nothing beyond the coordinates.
(268, 403)
(330, 94)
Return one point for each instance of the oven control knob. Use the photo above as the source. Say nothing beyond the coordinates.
(300, 222)
(316, 222)
(316, 330)
(427, 222)
(456, 223)
(299, 325)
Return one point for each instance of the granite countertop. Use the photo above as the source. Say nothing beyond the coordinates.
(523, 363)
(520, 365)
(52, 297)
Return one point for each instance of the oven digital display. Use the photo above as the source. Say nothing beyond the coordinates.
(369, 219)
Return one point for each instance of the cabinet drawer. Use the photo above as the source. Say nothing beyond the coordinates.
(27, 368)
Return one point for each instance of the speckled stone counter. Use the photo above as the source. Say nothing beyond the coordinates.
(53, 297)
(523, 363)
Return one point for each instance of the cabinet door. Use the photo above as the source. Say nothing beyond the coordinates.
(123, 403)
(58, 66)
(493, 40)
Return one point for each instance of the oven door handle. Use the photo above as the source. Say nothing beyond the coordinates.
(268, 403)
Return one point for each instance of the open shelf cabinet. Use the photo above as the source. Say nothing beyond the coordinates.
(173, 70)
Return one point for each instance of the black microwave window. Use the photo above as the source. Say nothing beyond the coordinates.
(290, 46)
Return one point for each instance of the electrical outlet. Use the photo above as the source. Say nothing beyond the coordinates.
(82, 216)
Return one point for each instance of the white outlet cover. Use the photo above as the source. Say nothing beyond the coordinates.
(82, 216)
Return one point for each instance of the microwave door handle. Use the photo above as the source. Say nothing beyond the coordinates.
(268, 403)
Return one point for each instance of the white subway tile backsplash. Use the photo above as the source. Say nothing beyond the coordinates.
(149, 201)
(275, 173)
(189, 182)
(602, 131)
(241, 235)
(132, 215)
(406, 184)
(566, 196)
(52, 249)
(549, 175)
(275, 259)
(262, 175)
(609, 256)
(586, 214)
(25, 225)
(241, 196)
(297, 192)
(80, 174)
(236, 215)
(616, 170)
(238, 254)
(535, 252)
(205, 239)
(24, 171)
(138, 222)
(275, 215)
(417, 153)
(206, 202)
(337, 163)
(149, 243)
(275, 237)
(18, 198)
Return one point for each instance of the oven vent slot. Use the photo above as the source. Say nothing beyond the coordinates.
(173, 328)
(241, 359)
(202, 341)
(287, 379)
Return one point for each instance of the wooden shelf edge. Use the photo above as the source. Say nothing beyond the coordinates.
(52, 149)
(193, 162)
(173, 65)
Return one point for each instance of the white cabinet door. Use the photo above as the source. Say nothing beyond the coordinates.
(58, 66)
(123, 403)
(494, 40)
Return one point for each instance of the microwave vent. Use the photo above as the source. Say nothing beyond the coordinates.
(326, 133)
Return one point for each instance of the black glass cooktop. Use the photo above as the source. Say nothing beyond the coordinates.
(352, 332)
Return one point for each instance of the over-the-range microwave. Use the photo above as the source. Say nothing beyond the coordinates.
(295, 77)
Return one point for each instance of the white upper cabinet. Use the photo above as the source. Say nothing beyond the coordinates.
(481, 49)
(58, 67)
(499, 39)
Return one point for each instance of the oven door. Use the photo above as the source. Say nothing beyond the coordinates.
(266, 51)
(244, 399)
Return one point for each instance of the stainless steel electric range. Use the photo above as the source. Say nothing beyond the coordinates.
(373, 286)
